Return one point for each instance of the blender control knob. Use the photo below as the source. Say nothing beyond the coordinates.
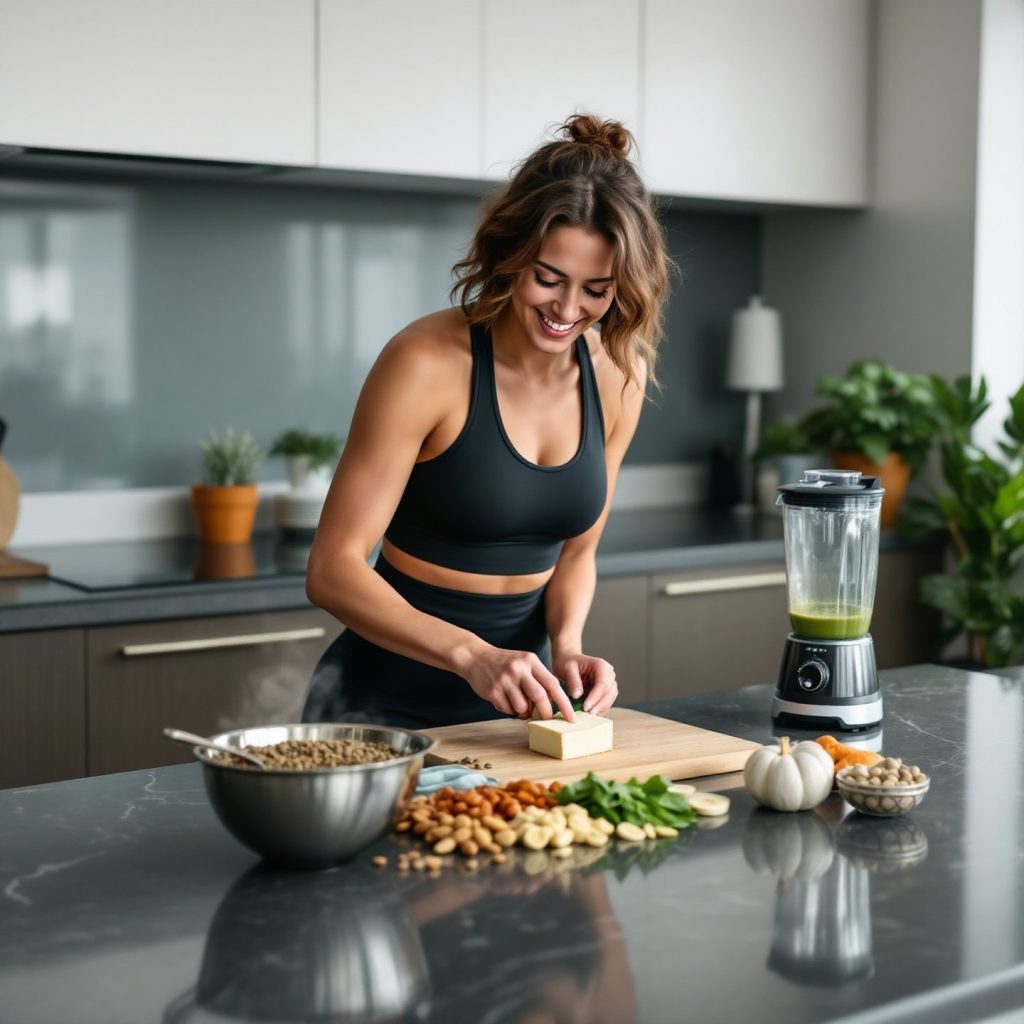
(812, 675)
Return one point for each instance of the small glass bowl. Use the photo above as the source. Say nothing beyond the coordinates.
(881, 801)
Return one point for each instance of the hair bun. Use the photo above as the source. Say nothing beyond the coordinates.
(589, 130)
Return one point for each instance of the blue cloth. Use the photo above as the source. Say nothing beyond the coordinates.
(433, 779)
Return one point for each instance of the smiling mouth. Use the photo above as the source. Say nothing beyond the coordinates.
(554, 327)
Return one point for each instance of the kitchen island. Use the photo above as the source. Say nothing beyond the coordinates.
(125, 900)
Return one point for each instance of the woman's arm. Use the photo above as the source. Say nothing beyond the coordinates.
(570, 590)
(411, 387)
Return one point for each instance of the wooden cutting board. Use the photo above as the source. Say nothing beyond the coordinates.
(644, 745)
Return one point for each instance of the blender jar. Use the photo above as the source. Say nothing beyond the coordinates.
(832, 521)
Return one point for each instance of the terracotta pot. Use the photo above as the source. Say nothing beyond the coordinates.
(893, 475)
(225, 515)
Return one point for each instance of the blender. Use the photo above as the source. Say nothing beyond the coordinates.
(828, 677)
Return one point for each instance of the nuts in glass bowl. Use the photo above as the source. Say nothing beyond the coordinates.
(885, 789)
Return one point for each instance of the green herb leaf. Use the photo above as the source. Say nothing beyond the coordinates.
(649, 802)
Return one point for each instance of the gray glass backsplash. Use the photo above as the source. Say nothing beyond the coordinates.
(138, 315)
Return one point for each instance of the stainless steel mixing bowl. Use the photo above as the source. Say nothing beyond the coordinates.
(313, 819)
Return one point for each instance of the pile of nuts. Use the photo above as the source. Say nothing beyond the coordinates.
(310, 755)
(490, 821)
(890, 771)
(886, 789)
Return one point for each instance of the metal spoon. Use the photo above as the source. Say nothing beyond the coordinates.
(193, 740)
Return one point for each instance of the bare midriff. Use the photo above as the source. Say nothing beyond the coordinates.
(456, 579)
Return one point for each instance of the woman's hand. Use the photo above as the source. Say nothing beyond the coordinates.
(516, 683)
(584, 673)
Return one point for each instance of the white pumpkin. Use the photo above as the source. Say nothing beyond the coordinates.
(789, 778)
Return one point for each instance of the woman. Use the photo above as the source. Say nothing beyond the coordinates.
(484, 448)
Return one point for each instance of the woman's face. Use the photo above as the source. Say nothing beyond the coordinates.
(567, 288)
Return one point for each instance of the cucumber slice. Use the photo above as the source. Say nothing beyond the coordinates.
(709, 805)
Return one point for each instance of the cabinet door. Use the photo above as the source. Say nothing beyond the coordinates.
(400, 86)
(757, 101)
(544, 61)
(203, 675)
(716, 629)
(213, 79)
(42, 707)
(616, 630)
(905, 630)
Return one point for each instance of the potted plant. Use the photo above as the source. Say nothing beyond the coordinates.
(310, 458)
(981, 513)
(878, 421)
(226, 498)
(784, 452)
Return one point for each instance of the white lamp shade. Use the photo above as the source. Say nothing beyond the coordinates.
(755, 349)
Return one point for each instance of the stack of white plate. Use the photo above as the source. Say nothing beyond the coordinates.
(298, 510)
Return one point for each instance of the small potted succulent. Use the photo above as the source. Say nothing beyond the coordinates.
(226, 497)
(784, 452)
(310, 458)
(879, 421)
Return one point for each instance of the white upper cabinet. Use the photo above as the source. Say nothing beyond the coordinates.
(205, 79)
(767, 102)
(762, 101)
(545, 60)
(400, 86)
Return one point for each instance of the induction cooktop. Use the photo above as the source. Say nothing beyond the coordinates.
(127, 565)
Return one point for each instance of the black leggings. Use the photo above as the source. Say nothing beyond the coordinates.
(357, 681)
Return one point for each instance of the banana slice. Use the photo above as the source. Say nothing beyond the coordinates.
(683, 788)
(710, 805)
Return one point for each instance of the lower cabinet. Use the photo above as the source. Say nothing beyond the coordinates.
(202, 675)
(42, 697)
(905, 631)
(701, 630)
(716, 629)
(616, 630)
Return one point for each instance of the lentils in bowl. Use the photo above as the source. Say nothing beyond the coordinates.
(885, 789)
(312, 755)
(313, 817)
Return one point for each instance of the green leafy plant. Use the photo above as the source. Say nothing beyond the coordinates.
(650, 802)
(784, 436)
(322, 449)
(981, 511)
(875, 409)
(229, 459)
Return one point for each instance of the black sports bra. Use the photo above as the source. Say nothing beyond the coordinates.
(480, 506)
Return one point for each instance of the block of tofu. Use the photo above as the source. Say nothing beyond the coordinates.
(589, 734)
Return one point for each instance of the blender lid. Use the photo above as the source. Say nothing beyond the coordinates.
(841, 488)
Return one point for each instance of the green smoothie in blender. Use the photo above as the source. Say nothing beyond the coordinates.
(830, 622)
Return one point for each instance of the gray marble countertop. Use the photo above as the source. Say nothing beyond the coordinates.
(169, 581)
(125, 900)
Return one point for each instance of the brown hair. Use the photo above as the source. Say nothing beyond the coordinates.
(584, 179)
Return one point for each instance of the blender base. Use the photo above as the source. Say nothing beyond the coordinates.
(849, 718)
(828, 683)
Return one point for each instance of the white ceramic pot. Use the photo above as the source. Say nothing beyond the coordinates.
(306, 479)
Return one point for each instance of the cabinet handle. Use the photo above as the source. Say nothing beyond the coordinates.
(210, 643)
(708, 586)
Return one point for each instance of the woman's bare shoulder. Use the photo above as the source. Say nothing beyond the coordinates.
(434, 346)
(611, 380)
(444, 333)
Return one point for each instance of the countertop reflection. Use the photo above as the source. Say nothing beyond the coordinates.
(125, 900)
